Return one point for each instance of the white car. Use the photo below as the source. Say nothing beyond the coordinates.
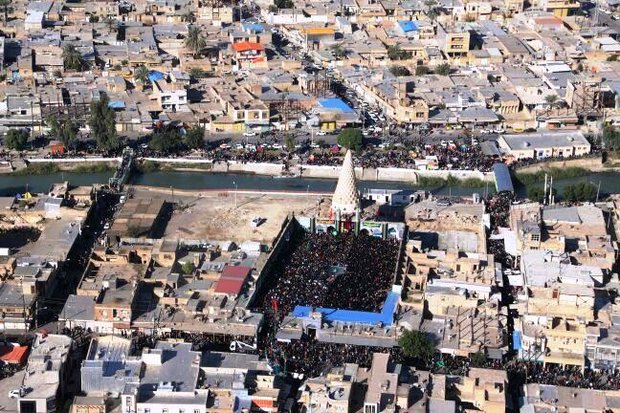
(249, 134)
(15, 393)
(106, 226)
(321, 133)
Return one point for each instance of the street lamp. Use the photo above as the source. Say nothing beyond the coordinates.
(236, 188)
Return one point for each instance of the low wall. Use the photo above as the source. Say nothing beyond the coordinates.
(255, 168)
(324, 171)
(391, 174)
(72, 160)
(594, 163)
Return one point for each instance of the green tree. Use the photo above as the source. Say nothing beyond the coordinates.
(351, 138)
(187, 267)
(399, 71)
(284, 4)
(612, 58)
(478, 359)
(421, 70)
(289, 142)
(71, 58)
(552, 100)
(611, 138)
(189, 17)
(63, 129)
(580, 67)
(6, 5)
(272, 8)
(339, 52)
(16, 139)
(417, 344)
(395, 52)
(580, 192)
(141, 74)
(93, 18)
(537, 193)
(195, 137)
(111, 23)
(134, 231)
(195, 40)
(196, 73)
(443, 69)
(165, 140)
(102, 124)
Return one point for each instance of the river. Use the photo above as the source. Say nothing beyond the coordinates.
(10, 185)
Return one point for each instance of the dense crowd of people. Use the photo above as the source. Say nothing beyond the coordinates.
(569, 376)
(341, 271)
(313, 358)
(449, 156)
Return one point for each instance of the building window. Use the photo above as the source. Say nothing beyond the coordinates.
(536, 237)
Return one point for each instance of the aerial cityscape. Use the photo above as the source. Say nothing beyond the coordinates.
(282, 206)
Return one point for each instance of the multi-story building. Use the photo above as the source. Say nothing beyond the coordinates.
(46, 376)
(171, 96)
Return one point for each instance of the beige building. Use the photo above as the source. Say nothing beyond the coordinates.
(484, 388)
(330, 393)
(382, 386)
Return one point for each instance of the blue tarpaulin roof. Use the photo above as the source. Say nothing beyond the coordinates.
(516, 340)
(253, 27)
(408, 26)
(116, 104)
(503, 181)
(335, 103)
(385, 317)
(155, 75)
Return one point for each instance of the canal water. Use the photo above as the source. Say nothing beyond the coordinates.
(11, 185)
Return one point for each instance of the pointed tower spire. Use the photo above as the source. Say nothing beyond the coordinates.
(346, 198)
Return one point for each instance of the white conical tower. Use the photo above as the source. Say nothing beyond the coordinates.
(346, 198)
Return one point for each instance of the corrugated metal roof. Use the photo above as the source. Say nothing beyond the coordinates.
(503, 180)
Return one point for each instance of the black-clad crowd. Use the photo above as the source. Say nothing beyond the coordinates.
(341, 271)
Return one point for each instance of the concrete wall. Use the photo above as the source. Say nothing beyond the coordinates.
(256, 168)
(594, 163)
(390, 174)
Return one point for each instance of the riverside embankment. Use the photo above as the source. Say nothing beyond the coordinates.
(412, 176)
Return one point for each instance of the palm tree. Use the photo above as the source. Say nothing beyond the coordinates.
(141, 74)
(552, 101)
(5, 5)
(339, 52)
(71, 58)
(110, 22)
(395, 52)
(187, 17)
(195, 40)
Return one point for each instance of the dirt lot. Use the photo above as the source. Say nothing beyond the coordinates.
(216, 218)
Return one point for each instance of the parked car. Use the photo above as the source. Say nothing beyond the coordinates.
(249, 134)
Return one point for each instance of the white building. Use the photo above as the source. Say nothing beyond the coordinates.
(544, 145)
(171, 96)
(45, 375)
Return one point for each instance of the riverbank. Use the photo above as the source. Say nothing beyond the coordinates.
(48, 168)
(436, 178)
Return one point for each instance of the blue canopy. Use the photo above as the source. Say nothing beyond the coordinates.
(516, 340)
(335, 103)
(408, 26)
(155, 75)
(385, 317)
(116, 104)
